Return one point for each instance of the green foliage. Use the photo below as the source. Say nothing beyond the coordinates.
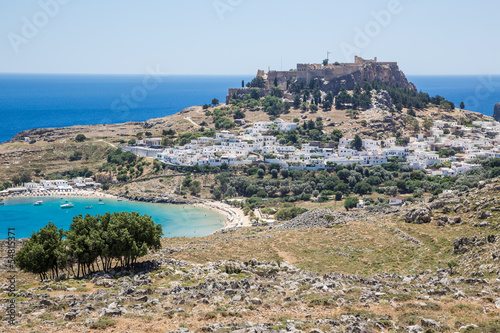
(44, 252)
(343, 99)
(121, 157)
(289, 213)
(169, 132)
(446, 153)
(76, 156)
(120, 237)
(103, 323)
(222, 123)
(273, 105)
(257, 82)
(350, 202)
(337, 135)
(239, 114)
(362, 188)
(357, 143)
(80, 138)
(452, 265)
(22, 178)
(296, 102)
(276, 91)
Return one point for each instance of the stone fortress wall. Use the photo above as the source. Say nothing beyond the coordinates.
(308, 72)
(331, 72)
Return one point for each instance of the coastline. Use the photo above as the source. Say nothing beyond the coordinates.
(235, 218)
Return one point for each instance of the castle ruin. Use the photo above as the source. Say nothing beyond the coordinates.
(335, 76)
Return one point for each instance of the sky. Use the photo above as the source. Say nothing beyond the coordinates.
(210, 37)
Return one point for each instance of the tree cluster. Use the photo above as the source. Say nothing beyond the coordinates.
(92, 242)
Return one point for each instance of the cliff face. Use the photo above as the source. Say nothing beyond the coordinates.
(496, 113)
(390, 74)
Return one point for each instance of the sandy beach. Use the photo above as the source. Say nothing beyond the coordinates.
(234, 216)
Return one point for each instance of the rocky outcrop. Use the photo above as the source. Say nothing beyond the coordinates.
(165, 200)
(465, 244)
(419, 215)
(382, 100)
(208, 292)
(390, 74)
(496, 112)
(318, 218)
(333, 81)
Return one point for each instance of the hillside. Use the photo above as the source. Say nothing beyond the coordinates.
(310, 262)
(375, 272)
(50, 148)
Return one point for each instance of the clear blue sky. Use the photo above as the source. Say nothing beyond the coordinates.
(241, 36)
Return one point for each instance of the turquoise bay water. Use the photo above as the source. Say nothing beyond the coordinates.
(176, 220)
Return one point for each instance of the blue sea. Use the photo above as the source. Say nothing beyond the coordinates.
(176, 220)
(479, 93)
(37, 100)
(33, 101)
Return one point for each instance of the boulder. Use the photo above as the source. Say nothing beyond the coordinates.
(70, 315)
(419, 215)
(414, 329)
(430, 323)
(61, 277)
(46, 302)
(112, 310)
(256, 301)
(483, 215)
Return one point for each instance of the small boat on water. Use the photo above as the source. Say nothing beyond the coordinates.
(100, 199)
(2, 203)
(102, 203)
(120, 199)
(89, 207)
(38, 203)
(68, 205)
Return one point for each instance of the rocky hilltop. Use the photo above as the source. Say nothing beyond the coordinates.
(387, 73)
(332, 77)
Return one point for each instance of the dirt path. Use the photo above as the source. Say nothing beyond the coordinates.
(191, 121)
(282, 254)
(112, 145)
